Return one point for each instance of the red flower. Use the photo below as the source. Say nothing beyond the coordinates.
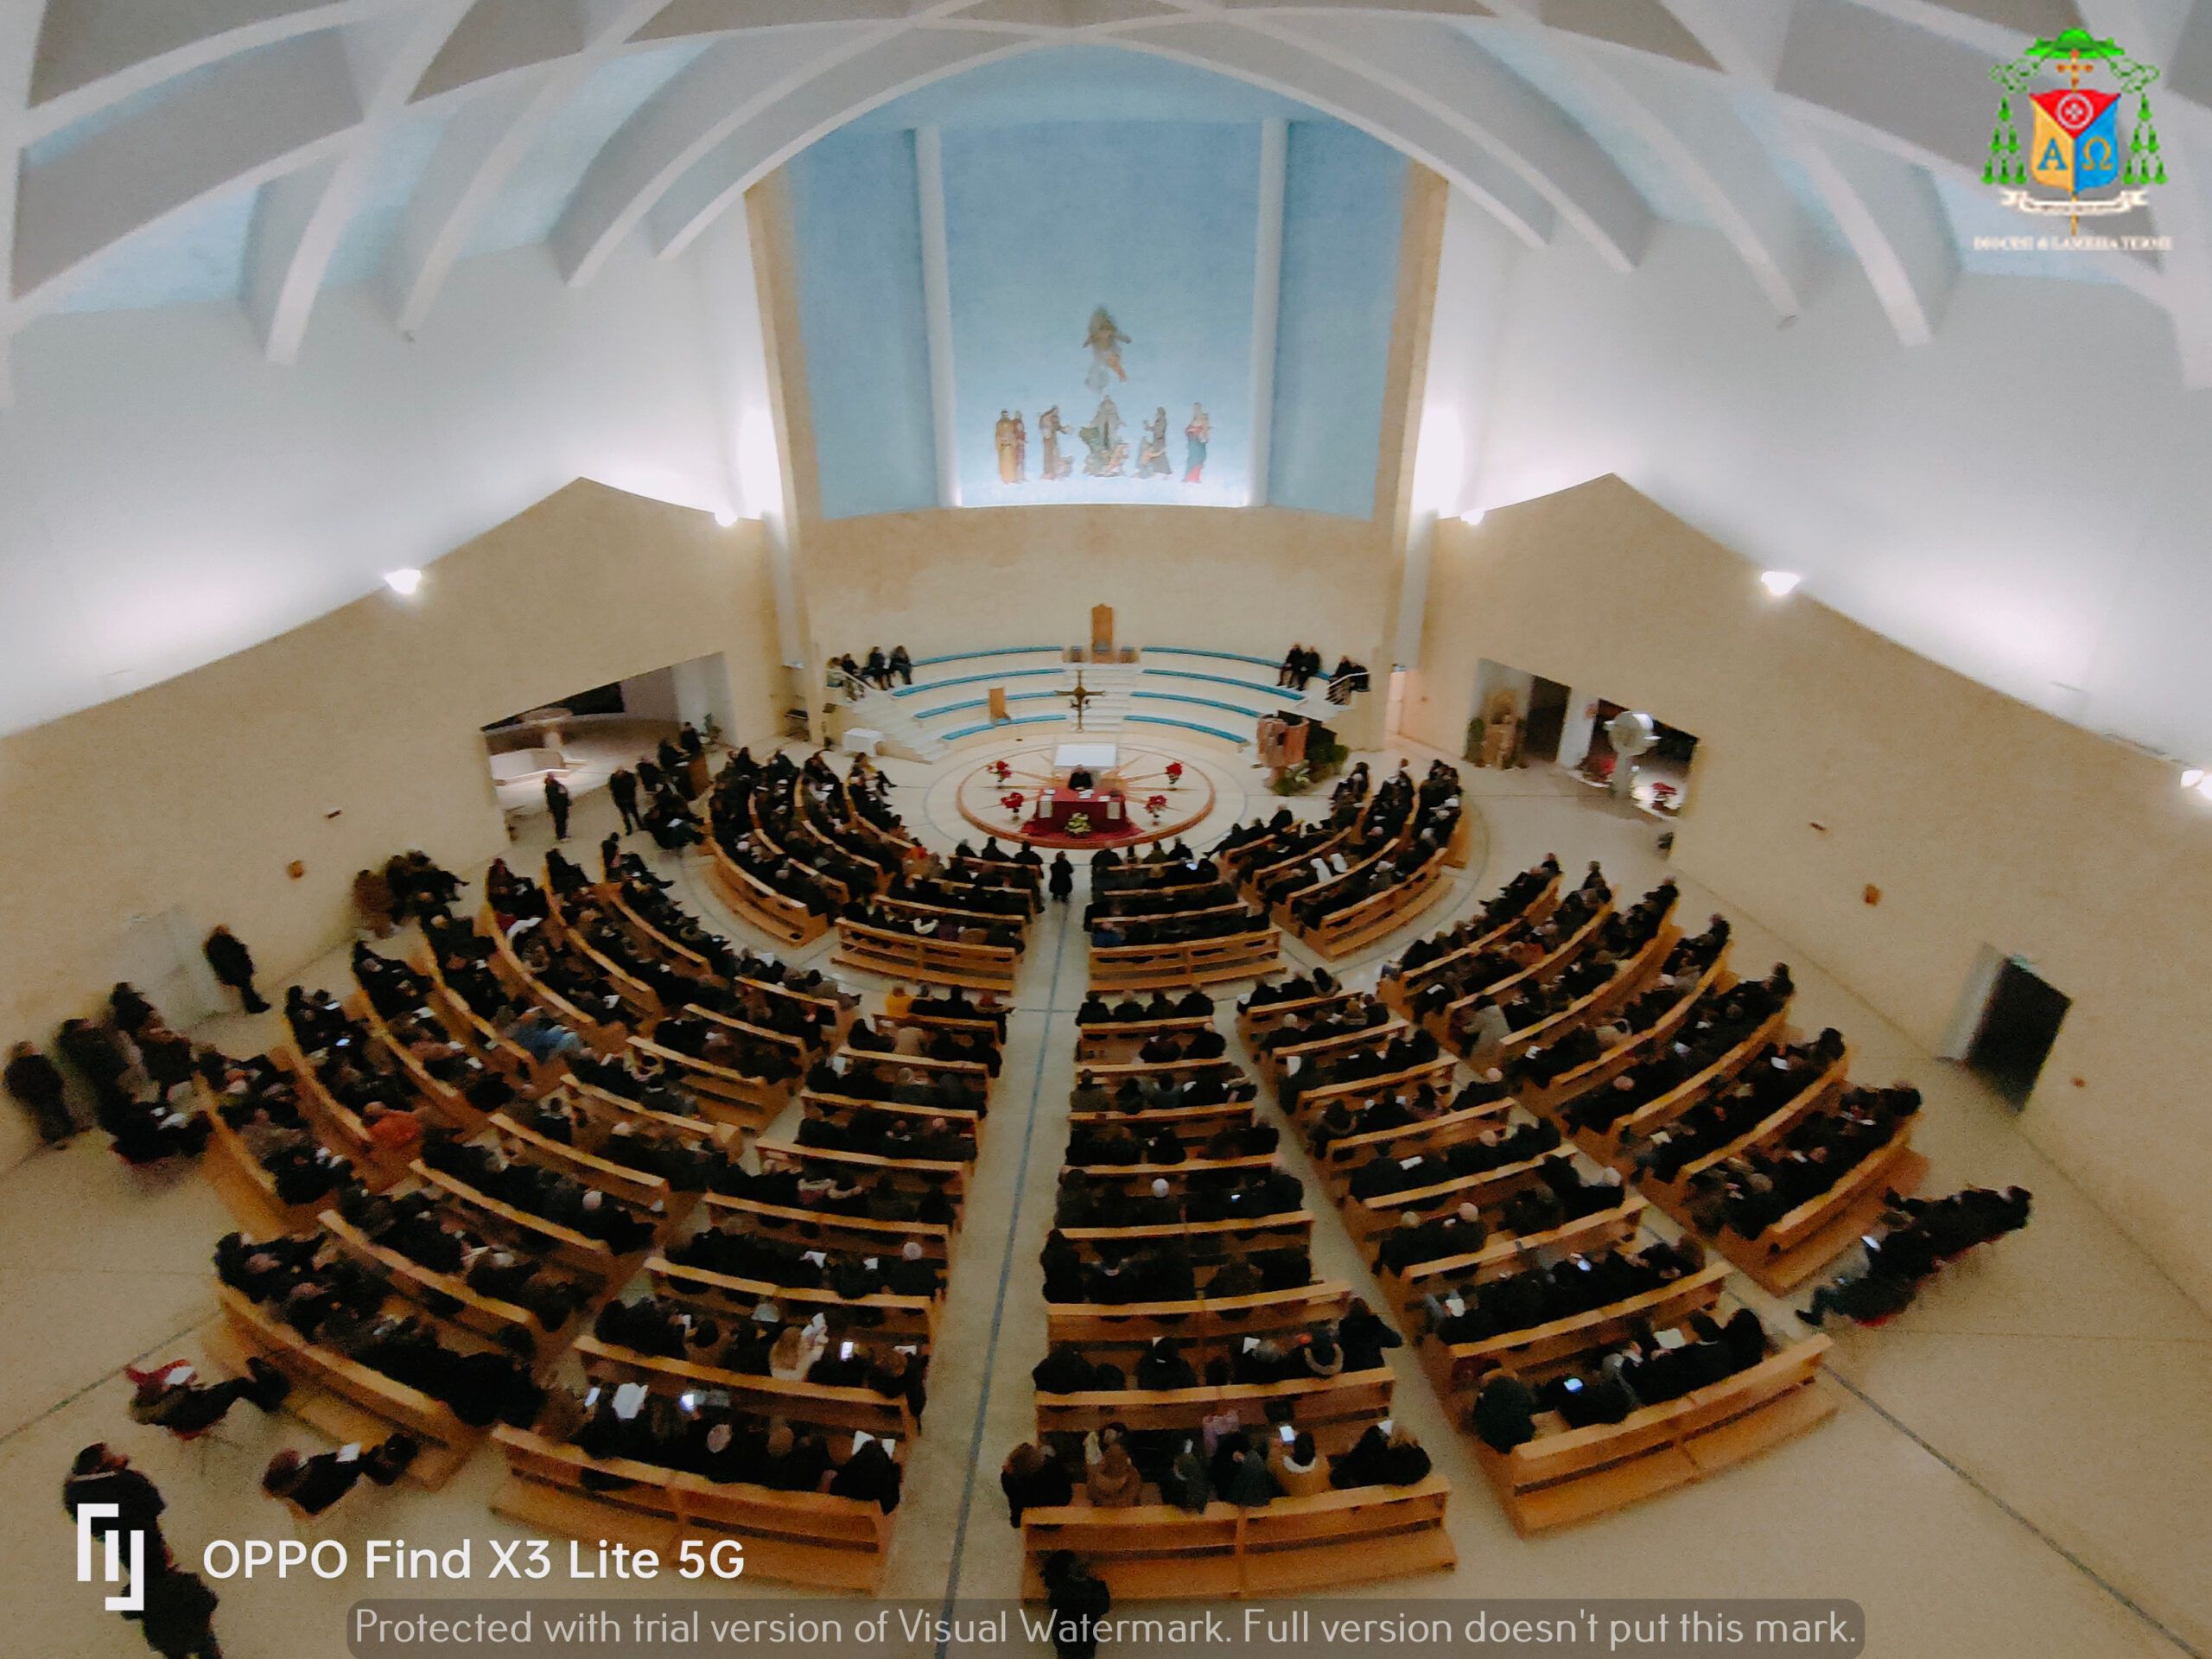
(1175, 772)
(1012, 801)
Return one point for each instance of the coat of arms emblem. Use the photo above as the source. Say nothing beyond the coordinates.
(2075, 158)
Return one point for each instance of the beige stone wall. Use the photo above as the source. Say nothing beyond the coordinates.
(1983, 822)
(1248, 580)
(198, 792)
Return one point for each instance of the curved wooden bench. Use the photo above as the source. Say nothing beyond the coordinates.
(913, 1174)
(1570, 1475)
(806, 1538)
(1192, 1125)
(1457, 1369)
(761, 905)
(338, 1126)
(536, 1235)
(1205, 1241)
(1656, 1113)
(1818, 1230)
(1369, 1218)
(344, 1399)
(902, 1319)
(724, 1094)
(1396, 988)
(826, 1230)
(1380, 914)
(603, 1036)
(1336, 1410)
(854, 1410)
(1205, 1326)
(1547, 967)
(1182, 964)
(1339, 1159)
(1178, 1177)
(633, 1187)
(1103, 1042)
(1156, 1550)
(911, 958)
(247, 1190)
(1549, 1098)
(447, 1296)
(1588, 1232)
(1629, 976)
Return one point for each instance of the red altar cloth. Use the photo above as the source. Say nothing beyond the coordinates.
(1107, 811)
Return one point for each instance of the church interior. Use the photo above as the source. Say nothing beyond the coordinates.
(1122, 807)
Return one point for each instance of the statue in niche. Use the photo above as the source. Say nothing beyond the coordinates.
(1152, 454)
(1102, 439)
(1105, 340)
(1012, 440)
(1051, 430)
(1197, 436)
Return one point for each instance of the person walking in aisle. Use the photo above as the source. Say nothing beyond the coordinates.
(557, 803)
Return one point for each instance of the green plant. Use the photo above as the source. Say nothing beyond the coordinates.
(1292, 780)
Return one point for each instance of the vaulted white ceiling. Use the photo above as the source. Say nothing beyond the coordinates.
(170, 149)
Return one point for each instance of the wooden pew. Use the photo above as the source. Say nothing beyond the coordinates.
(1108, 1042)
(1629, 976)
(1337, 1538)
(1338, 1160)
(1180, 1178)
(344, 1399)
(1806, 1240)
(448, 1298)
(1397, 988)
(1369, 1219)
(1335, 1410)
(1457, 1369)
(549, 1240)
(1206, 1327)
(1192, 1125)
(910, 1174)
(901, 1318)
(858, 1410)
(1583, 1233)
(1570, 1475)
(1549, 966)
(725, 1095)
(338, 1126)
(1190, 962)
(806, 1538)
(1381, 914)
(1206, 1240)
(822, 1230)
(603, 1037)
(910, 958)
(1548, 1098)
(761, 905)
(633, 1187)
(1611, 1146)
(248, 1190)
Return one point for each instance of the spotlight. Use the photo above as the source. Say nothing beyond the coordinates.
(403, 583)
(2192, 778)
(725, 518)
(1780, 583)
(1472, 517)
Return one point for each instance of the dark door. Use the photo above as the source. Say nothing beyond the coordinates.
(2019, 1025)
(1547, 721)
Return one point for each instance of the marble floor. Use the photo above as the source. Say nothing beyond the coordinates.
(2020, 1465)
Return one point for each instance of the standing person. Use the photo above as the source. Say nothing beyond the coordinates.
(1076, 1602)
(373, 901)
(36, 1084)
(1063, 878)
(233, 964)
(179, 1618)
(622, 784)
(557, 803)
(100, 1476)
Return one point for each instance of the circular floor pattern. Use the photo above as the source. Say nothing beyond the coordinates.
(1160, 806)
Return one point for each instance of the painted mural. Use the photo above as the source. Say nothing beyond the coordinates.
(1104, 437)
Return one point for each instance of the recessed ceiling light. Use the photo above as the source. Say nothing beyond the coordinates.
(2192, 778)
(403, 583)
(1780, 583)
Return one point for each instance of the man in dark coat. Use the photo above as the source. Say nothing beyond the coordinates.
(233, 964)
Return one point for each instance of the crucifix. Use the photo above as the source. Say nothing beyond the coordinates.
(1080, 698)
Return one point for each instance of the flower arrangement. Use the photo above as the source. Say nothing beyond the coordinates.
(1079, 824)
(1012, 800)
(1174, 773)
(1001, 771)
(1155, 804)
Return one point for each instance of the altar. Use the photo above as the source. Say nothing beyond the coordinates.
(1100, 812)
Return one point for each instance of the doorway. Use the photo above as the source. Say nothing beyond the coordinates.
(2018, 1024)
(1547, 721)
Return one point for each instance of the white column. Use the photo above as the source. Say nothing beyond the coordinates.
(937, 306)
(1267, 296)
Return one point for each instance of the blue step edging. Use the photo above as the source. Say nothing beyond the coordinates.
(1189, 726)
(971, 679)
(1217, 679)
(979, 703)
(1223, 655)
(1204, 703)
(998, 725)
(1001, 651)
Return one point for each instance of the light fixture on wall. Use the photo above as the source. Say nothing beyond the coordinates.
(403, 583)
(725, 516)
(1780, 583)
(1472, 517)
(2192, 777)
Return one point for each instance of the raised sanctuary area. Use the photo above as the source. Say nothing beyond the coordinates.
(1159, 829)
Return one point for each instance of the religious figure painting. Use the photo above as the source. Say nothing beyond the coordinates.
(1195, 437)
(1012, 439)
(1108, 451)
(1105, 340)
(1053, 465)
(1152, 454)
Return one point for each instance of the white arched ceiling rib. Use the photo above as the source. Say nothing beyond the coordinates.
(1887, 208)
(728, 85)
(18, 51)
(184, 149)
(683, 17)
(1438, 70)
(300, 218)
(480, 150)
(720, 178)
(1933, 108)
(96, 53)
